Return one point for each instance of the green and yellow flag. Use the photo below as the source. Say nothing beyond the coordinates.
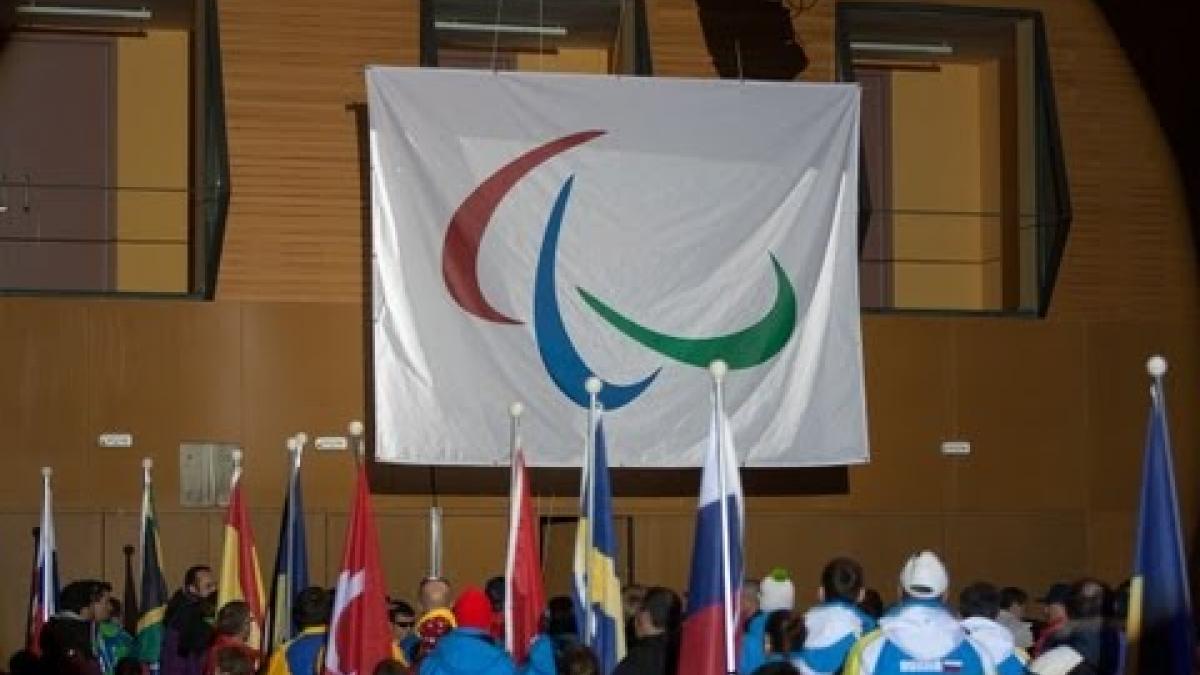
(154, 584)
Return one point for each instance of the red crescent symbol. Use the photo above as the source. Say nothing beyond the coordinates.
(460, 252)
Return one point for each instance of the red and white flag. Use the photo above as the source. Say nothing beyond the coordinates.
(524, 597)
(359, 634)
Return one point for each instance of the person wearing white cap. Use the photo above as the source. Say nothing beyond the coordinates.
(775, 592)
(920, 635)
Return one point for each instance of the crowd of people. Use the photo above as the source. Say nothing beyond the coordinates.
(848, 630)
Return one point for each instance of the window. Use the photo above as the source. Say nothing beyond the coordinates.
(963, 192)
(580, 36)
(113, 179)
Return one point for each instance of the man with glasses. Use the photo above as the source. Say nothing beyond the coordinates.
(403, 618)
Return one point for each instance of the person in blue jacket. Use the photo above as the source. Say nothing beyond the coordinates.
(776, 592)
(469, 648)
(833, 626)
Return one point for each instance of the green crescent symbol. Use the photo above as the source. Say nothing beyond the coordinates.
(745, 348)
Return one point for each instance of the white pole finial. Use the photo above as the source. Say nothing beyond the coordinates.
(719, 369)
(1156, 366)
(292, 444)
(147, 463)
(593, 385)
(301, 440)
(516, 409)
(237, 458)
(47, 472)
(356, 428)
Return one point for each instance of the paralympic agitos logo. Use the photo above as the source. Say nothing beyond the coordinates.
(743, 348)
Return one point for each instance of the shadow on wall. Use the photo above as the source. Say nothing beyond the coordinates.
(759, 31)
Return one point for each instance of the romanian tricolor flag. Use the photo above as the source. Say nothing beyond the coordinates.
(153, 584)
(1160, 630)
(240, 575)
(597, 588)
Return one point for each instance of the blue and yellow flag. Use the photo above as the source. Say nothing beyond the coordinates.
(291, 564)
(597, 591)
(1160, 616)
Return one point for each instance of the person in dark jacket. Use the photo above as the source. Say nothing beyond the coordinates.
(68, 638)
(188, 628)
(657, 625)
(1086, 630)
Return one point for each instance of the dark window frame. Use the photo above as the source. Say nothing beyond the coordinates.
(209, 185)
(1051, 175)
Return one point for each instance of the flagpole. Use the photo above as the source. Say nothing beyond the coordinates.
(282, 625)
(719, 369)
(147, 465)
(593, 385)
(514, 439)
(49, 592)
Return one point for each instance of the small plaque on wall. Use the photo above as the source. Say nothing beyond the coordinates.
(205, 470)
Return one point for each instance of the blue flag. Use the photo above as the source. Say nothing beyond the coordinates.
(291, 565)
(597, 591)
(1160, 616)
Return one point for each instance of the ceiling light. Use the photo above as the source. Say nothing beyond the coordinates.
(468, 27)
(141, 14)
(940, 48)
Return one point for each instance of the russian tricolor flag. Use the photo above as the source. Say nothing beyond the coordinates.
(44, 596)
(709, 625)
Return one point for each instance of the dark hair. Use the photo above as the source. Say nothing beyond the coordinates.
(979, 599)
(232, 618)
(776, 668)
(399, 608)
(391, 667)
(560, 616)
(494, 590)
(1011, 595)
(114, 605)
(128, 666)
(1088, 600)
(312, 607)
(778, 631)
(842, 579)
(872, 603)
(232, 661)
(663, 607)
(577, 660)
(192, 575)
(77, 595)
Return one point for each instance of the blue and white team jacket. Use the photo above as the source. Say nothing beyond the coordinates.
(919, 636)
(832, 629)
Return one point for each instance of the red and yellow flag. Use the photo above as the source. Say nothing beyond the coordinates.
(240, 575)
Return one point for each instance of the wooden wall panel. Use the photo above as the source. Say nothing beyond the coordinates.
(909, 384)
(43, 400)
(292, 68)
(1028, 422)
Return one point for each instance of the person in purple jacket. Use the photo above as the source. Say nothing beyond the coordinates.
(188, 624)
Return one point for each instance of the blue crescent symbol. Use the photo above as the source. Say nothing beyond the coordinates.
(559, 355)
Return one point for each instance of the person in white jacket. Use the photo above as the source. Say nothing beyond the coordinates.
(920, 635)
(979, 604)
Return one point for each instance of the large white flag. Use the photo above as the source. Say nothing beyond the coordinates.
(532, 230)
